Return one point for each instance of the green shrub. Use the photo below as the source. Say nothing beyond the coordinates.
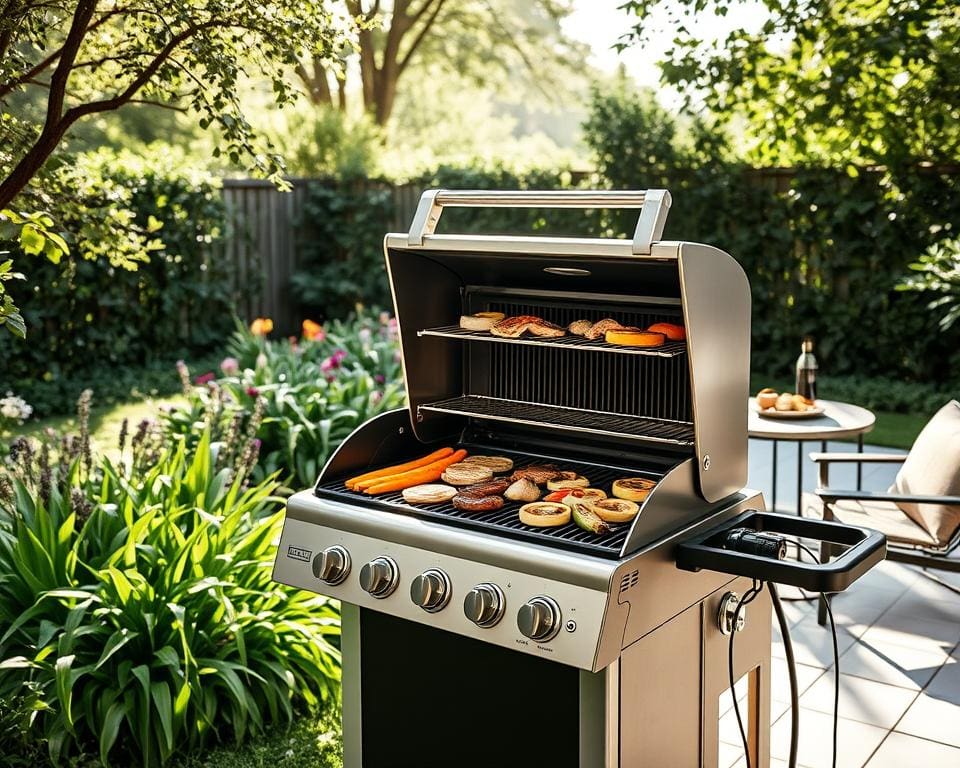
(136, 599)
(89, 318)
(299, 398)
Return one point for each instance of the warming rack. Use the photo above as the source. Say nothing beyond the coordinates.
(644, 428)
(669, 349)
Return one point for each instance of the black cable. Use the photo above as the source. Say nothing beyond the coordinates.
(748, 597)
(792, 671)
(836, 664)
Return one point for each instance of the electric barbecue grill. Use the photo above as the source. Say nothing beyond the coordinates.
(475, 640)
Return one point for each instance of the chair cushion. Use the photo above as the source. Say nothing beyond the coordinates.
(932, 468)
(883, 516)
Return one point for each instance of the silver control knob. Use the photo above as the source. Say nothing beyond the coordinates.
(484, 605)
(431, 590)
(379, 577)
(332, 565)
(539, 619)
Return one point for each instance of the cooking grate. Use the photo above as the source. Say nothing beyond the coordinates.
(594, 422)
(506, 521)
(669, 349)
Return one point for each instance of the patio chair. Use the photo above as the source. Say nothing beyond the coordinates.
(919, 513)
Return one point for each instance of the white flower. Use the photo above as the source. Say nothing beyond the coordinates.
(15, 408)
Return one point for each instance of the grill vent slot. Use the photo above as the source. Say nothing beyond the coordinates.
(629, 580)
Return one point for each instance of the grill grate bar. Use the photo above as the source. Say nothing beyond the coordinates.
(506, 521)
(669, 349)
(594, 422)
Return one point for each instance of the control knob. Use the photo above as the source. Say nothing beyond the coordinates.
(539, 619)
(379, 577)
(431, 590)
(484, 605)
(332, 565)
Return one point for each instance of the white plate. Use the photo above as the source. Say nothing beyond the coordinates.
(772, 413)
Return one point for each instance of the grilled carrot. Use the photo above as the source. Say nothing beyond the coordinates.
(427, 474)
(397, 468)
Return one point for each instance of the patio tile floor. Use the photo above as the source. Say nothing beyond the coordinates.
(899, 663)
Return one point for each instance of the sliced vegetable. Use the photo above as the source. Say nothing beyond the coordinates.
(586, 518)
(398, 468)
(544, 514)
(616, 510)
(578, 481)
(559, 496)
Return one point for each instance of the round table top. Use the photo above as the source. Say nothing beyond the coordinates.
(837, 420)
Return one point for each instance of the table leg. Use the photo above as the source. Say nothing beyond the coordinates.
(773, 485)
(799, 475)
(859, 464)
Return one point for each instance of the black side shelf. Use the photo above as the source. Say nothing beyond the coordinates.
(865, 548)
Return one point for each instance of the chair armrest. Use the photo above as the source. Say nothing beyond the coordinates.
(858, 458)
(828, 494)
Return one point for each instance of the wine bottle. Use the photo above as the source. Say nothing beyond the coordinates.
(807, 370)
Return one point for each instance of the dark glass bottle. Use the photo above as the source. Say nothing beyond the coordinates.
(807, 370)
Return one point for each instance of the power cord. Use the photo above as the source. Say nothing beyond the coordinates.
(774, 546)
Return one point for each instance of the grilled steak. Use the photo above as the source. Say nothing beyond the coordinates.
(489, 488)
(599, 328)
(538, 473)
(513, 327)
(483, 504)
(545, 329)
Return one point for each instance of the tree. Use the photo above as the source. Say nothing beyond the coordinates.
(472, 36)
(852, 81)
(87, 57)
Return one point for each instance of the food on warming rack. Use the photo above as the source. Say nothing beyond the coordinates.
(432, 493)
(523, 490)
(538, 473)
(767, 398)
(634, 337)
(564, 480)
(546, 330)
(633, 488)
(512, 327)
(784, 402)
(670, 330)
(586, 518)
(616, 510)
(429, 473)
(599, 328)
(580, 327)
(496, 463)
(398, 468)
(465, 473)
(481, 321)
(494, 487)
(545, 514)
(481, 504)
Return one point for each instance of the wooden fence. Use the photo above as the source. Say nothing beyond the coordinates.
(261, 242)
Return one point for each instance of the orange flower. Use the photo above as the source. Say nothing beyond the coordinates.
(313, 331)
(261, 326)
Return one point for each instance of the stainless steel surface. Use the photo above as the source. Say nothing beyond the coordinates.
(727, 613)
(431, 590)
(654, 205)
(379, 577)
(332, 565)
(600, 718)
(539, 619)
(484, 605)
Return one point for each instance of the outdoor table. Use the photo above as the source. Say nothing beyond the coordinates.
(839, 420)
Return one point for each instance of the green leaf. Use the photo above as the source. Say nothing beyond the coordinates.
(31, 241)
(111, 728)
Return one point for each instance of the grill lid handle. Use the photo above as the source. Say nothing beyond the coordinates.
(654, 204)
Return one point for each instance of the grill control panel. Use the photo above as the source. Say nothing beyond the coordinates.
(521, 611)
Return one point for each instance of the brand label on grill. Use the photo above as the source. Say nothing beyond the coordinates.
(296, 553)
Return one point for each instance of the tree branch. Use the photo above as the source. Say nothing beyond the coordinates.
(424, 30)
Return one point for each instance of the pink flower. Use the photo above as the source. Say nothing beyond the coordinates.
(205, 378)
(253, 392)
(333, 362)
(376, 397)
(379, 378)
(230, 365)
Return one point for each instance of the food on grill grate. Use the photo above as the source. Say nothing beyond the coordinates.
(442, 453)
(466, 473)
(567, 480)
(545, 514)
(672, 331)
(634, 337)
(494, 487)
(538, 473)
(432, 493)
(588, 495)
(477, 504)
(616, 510)
(580, 327)
(496, 463)
(426, 474)
(599, 328)
(587, 519)
(481, 321)
(523, 490)
(633, 488)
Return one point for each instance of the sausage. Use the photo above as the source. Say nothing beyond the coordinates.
(494, 487)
